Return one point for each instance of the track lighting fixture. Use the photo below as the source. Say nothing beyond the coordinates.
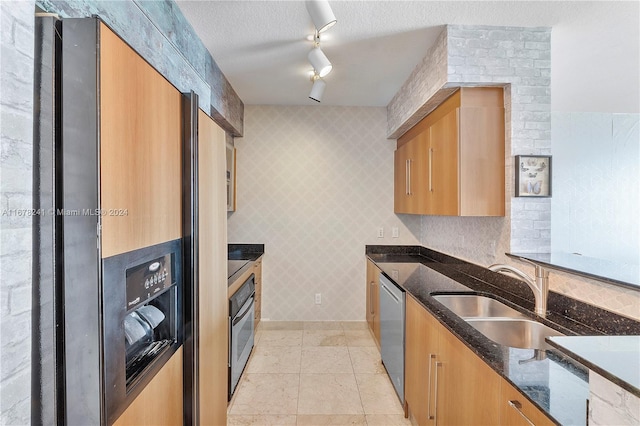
(318, 88)
(321, 14)
(323, 19)
(319, 60)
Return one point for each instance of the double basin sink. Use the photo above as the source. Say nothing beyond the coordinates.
(498, 322)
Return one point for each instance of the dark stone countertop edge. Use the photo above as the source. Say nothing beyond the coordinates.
(596, 368)
(479, 344)
(237, 251)
(572, 314)
(240, 251)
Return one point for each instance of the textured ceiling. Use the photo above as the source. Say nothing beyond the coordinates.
(261, 46)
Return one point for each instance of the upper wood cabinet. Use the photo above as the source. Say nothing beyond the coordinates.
(410, 174)
(373, 300)
(452, 162)
(140, 151)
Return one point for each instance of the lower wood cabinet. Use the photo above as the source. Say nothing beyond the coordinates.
(447, 384)
(516, 410)
(467, 389)
(257, 270)
(166, 386)
(373, 300)
(421, 349)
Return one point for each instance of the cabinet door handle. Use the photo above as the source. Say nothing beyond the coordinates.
(371, 299)
(410, 161)
(432, 357)
(406, 177)
(229, 362)
(431, 169)
(435, 399)
(516, 405)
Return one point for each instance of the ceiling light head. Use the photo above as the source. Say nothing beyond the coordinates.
(320, 62)
(321, 14)
(317, 89)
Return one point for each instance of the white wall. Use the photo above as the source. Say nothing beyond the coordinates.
(596, 162)
(314, 185)
(588, 74)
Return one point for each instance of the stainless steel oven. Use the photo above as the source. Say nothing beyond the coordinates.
(241, 313)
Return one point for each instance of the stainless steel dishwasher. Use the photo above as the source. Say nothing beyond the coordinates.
(392, 307)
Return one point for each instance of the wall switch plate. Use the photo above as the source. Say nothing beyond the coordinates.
(381, 232)
(394, 232)
(318, 298)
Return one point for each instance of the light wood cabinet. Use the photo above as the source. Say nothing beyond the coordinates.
(443, 182)
(166, 386)
(140, 151)
(517, 410)
(373, 300)
(447, 384)
(467, 388)
(257, 270)
(452, 162)
(410, 173)
(212, 299)
(421, 349)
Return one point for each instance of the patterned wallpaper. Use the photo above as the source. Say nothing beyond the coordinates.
(314, 185)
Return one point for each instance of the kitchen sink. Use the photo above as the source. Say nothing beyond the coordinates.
(474, 306)
(497, 321)
(517, 333)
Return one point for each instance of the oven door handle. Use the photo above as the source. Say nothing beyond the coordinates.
(240, 316)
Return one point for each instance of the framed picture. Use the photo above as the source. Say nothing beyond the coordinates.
(533, 175)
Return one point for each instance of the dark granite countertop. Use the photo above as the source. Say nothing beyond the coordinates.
(240, 258)
(245, 251)
(557, 384)
(616, 358)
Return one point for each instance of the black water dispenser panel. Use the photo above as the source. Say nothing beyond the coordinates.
(147, 280)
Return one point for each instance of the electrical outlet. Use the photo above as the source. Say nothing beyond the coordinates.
(394, 232)
(381, 232)
(318, 298)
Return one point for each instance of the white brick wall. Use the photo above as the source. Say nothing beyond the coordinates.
(519, 60)
(16, 166)
(421, 92)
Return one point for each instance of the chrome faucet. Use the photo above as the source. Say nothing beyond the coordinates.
(540, 286)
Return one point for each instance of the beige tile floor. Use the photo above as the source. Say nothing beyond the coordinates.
(315, 374)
